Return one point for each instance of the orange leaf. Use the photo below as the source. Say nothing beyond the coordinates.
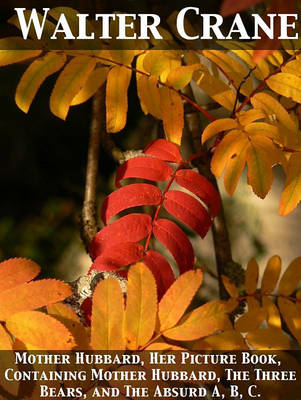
(40, 330)
(271, 275)
(229, 286)
(178, 297)
(291, 278)
(15, 271)
(201, 322)
(67, 316)
(141, 306)
(31, 296)
(107, 316)
(268, 339)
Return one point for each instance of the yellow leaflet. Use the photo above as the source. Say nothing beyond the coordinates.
(273, 316)
(293, 67)
(235, 166)
(233, 69)
(116, 98)
(122, 56)
(291, 278)
(24, 50)
(158, 62)
(287, 85)
(95, 80)
(229, 286)
(262, 129)
(271, 275)
(67, 316)
(40, 331)
(228, 147)
(72, 18)
(180, 77)
(251, 278)
(268, 339)
(69, 83)
(291, 195)
(34, 76)
(178, 297)
(252, 319)
(276, 58)
(7, 361)
(229, 340)
(148, 92)
(274, 110)
(247, 117)
(172, 114)
(291, 316)
(220, 125)
(216, 89)
(141, 306)
(107, 316)
(260, 175)
(201, 322)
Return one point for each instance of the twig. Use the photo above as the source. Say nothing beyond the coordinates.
(221, 241)
(89, 225)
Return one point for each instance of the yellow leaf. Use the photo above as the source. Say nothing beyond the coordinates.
(268, 339)
(148, 92)
(155, 62)
(201, 322)
(67, 316)
(247, 117)
(35, 75)
(229, 340)
(141, 306)
(251, 278)
(229, 286)
(229, 147)
(116, 98)
(16, 271)
(291, 316)
(7, 360)
(216, 89)
(234, 70)
(260, 175)
(220, 125)
(291, 278)
(235, 167)
(69, 83)
(271, 275)
(273, 316)
(31, 296)
(274, 111)
(24, 51)
(287, 85)
(293, 67)
(172, 114)
(40, 330)
(250, 321)
(262, 129)
(95, 80)
(180, 77)
(178, 297)
(107, 316)
(291, 195)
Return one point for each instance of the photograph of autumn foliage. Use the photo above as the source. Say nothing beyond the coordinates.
(150, 195)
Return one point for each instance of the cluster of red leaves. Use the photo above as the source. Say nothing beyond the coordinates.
(118, 244)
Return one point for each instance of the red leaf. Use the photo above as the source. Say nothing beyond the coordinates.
(132, 227)
(230, 7)
(188, 210)
(161, 270)
(118, 256)
(201, 187)
(149, 168)
(164, 150)
(176, 242)
(137, 194)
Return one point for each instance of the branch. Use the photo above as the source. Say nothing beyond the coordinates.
(221, 240)
(89, 225)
